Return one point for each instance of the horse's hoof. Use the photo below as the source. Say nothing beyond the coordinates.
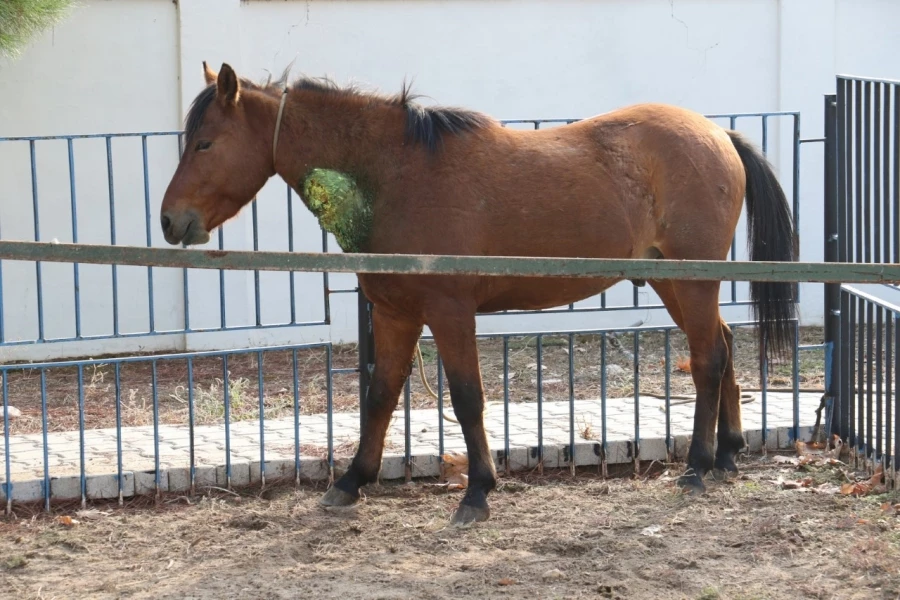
(467, 514)
(724, 469)
(691, 483)
(338, 497)
(723, 474)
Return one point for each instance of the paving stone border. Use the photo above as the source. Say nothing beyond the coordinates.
(139, 451)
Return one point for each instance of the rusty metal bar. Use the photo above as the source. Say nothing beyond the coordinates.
(407, 264)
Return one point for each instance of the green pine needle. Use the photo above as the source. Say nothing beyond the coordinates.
(21, 20)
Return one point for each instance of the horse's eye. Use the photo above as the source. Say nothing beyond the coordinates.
(201, 146)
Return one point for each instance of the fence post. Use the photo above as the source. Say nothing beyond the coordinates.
(833, 398)
(366, 352)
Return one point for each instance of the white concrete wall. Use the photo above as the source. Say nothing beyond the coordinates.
(134, 65)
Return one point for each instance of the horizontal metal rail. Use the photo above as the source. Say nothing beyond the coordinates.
(410, 264)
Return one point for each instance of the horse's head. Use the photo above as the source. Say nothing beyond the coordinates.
(227, 158)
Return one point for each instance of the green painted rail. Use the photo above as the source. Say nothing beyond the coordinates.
(405, 264)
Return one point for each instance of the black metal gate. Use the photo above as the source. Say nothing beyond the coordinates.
(862, 225)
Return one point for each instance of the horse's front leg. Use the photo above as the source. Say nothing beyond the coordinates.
(454, 333)
(395, 340)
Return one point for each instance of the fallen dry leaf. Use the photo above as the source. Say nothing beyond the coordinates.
(862, 488)
(889, 509)
(506, 581)
(456, 468)
(683, 364)
(67, 521)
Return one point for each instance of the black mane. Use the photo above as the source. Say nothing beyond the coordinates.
(425, 125)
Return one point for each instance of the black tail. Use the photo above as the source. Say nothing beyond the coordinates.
(770, 237)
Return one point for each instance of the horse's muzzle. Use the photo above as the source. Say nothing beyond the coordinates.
(184, 228)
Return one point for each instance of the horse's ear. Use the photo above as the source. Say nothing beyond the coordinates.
(228, 88)
(209, 75)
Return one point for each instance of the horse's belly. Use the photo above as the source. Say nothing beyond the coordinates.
(538, 294)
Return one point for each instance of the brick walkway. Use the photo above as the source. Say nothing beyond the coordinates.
(138, 448)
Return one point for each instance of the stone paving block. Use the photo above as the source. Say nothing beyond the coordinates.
(23, 491)
(314, 469)
(754, 440)
(653, 449)
(518, 458)
(240, 474)
(553, 456)
(618, 452)
(107, 486)
(145, 482)
(65, 488)
(277, 468)
(425, 466)
(179, 479)
(587, 453)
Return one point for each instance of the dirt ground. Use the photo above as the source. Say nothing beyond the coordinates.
(550, 536)
(137, 401)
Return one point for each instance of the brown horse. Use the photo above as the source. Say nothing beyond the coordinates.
(645, 181)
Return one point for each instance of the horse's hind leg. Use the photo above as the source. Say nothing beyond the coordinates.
(709, 362)
(454, 333)
(395, 341)
(730, 434)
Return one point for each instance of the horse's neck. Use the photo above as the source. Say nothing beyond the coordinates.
(343, 135)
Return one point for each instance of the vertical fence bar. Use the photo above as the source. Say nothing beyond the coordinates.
(326, 289)
(39, 287)
(112, 234)
(330, 411)
(505, 403)
(861, 378)
(870, 334)
(605, 443)
(732, 124)
(572, 403)
(440, 394)
(191, 422)
(858, 172)
(851, 354)
(879, 355)
(795, 381)
(889, 393)
(407, 432)
(147, 221)
(185, 278)
(261, 384)
(44, 435)
(876, 175)
(222, 320)
(119, 467)
(157, 479)
(256, 299)
(227, 401)
(670, 451)
(72, 199)
(291, 276)
(637, 402)
(832, 291)
(81, 458)
(540, 405)
(296, 381)
(6, 454)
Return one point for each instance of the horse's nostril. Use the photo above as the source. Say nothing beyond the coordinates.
(165, 221)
